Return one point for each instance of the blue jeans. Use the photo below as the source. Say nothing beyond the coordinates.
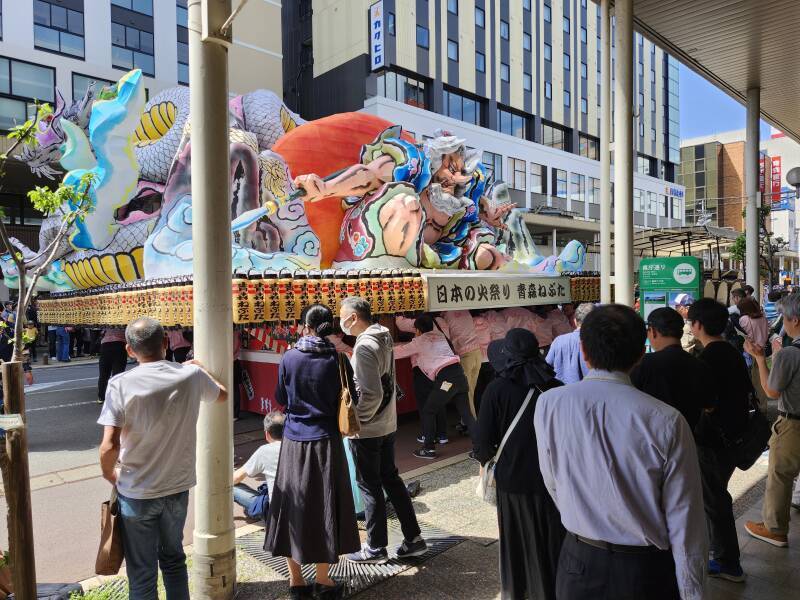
(152, 536)
(243, 495)
(62, 344)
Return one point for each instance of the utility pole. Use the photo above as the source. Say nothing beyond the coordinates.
(214, 560)
(605, 154)
(18, 486)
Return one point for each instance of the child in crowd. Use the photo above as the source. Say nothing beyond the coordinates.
(263, 461)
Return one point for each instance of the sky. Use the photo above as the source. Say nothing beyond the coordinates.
(705, 109)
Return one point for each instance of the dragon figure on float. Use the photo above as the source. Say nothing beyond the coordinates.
(389, 202)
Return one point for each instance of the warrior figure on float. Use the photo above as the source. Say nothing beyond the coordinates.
(428, 206)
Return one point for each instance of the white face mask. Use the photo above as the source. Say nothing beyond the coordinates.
(345, 329)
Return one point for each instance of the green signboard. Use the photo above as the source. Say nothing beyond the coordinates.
(663, 278)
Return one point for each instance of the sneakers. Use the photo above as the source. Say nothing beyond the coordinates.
(796, 505)
(426, 454)
(473, 456)
(717, 569)
(369, 556)
(762, 532)
(442, 439)
(462, 429)
(416, 547)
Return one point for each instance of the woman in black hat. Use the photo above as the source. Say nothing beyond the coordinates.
(530, 525)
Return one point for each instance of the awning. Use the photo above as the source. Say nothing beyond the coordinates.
(677, 241)
(736, 45)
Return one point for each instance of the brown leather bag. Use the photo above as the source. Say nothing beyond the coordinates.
(349, 424)
(110, 553)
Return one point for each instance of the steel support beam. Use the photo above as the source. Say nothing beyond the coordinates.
(605, 153)
(751, 188)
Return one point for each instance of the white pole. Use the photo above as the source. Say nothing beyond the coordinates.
(751, 188)
(623, 153)
(214, 559)
(605, 154)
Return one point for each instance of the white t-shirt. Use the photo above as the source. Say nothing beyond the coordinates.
(264, 460)
(156, 406)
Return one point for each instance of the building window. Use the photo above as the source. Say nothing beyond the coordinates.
(584, 106)
(652, 76)
(183, 63)
(640, 69)
(566, 24)
(390, 23)
(452, 50)
(538, 179)
(589, 147)
(555, 136)
(526, 41)
(407, 90)
(493, 164)
(560, 183)
(567, 62)
(504, 29)
(452, 6)
(1, 20)
(526, 4)
(583, 34)
(641, 99)
(81, 83)
(182, 14)
(548, 16)
(131, 48)
(637, 201)
(480, 17)
(567, 98)
(652, 105)
(141, 6)
(422, 37)
(462, 108)
(548, 90)
(511, 123)
(577, 184)
(548, 51)
(594, 190)
(527, 82)
(676, 208)
(504, 73)
(652, 134)
(516, 174)
(21, 84)
(583, 70)
(641, 128)
(480, 62)
(58, 29)
(583, 3)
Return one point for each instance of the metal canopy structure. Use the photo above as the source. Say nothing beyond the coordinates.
(678, 241)
(736, 45)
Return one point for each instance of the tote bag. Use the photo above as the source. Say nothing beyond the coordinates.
(110, 552)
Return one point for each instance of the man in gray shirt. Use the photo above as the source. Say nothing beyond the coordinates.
(781, 382)
(623, 471)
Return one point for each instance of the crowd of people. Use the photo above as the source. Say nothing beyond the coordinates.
(615, 436)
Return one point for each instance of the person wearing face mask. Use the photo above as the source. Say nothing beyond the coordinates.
(373, 446)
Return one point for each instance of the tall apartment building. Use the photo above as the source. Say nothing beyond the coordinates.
(66, 44)
(520, 79)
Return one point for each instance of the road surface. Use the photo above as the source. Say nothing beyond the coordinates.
(63, 440)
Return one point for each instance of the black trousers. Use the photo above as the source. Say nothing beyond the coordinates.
(113, 359)
(376, 472)
(51, 342)
(589, 573)
(450, 385)
(716, 470)
(422, 387)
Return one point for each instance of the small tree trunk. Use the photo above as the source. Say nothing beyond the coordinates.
(17, 488)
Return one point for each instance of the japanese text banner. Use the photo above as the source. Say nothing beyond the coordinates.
(493, 290)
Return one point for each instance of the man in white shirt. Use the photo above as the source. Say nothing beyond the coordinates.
(148, 455)
(263, 461)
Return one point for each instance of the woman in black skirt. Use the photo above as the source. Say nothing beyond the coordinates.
(311, 512)
(530, 525)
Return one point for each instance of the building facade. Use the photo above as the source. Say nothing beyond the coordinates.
(66, 44)
(520, 79)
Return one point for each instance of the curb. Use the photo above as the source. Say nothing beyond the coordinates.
(72, 363)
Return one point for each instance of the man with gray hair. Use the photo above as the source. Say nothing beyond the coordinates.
(148, 455)
(565, 351)
(782, 381)
(373, 447)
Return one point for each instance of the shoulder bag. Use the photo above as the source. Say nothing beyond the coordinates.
(487, 488)
(348, 419)
(745, 447)
(110, 553)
